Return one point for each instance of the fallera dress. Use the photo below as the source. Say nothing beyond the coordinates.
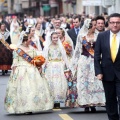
(54, 72)
(90, 90)
(27, 91)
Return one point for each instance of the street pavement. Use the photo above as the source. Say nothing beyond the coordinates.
(60, 114)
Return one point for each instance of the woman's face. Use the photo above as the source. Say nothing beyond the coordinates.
(93, 25)
(59, 33)
(54, 38)
(3, 27)
(32, 31)
(38, 26)
(29, 40)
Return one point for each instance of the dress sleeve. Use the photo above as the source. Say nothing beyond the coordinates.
(15, 59)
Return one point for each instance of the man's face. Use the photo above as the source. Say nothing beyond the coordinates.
(76, 23)
(100, 25)
(57, 24)
(114, 24)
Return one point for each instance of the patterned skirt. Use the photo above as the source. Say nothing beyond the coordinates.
(85, 88)
(56, 79)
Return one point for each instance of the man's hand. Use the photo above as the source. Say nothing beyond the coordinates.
(99, 76)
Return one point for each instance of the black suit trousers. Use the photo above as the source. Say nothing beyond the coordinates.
(112, 94)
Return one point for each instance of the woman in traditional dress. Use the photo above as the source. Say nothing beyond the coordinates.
(14, 31)
(39, 32)
(27, 91)
(56, 64)
(67, 43)
(90, 91)
(35, 38)
(5, 53)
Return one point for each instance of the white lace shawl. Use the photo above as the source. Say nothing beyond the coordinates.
(46, 49)
(78, 49)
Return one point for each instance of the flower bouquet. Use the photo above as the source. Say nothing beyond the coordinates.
(38, 61)
(67, 47)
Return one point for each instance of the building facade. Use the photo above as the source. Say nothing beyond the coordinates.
(54, 7)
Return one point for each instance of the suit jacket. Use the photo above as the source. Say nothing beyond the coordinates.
(7, 25)
(72, 35)
(102, 58)
(67, 26)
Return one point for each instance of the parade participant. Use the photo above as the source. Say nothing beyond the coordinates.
(35, 38)
(14, 31)
(89, 88)
(56, 25)
(107, 65)
(31, 20)
(5, 53)
(64, 23)
(39, 32)
(27, 91)
(73, 33)
(100, 23)
(7, 22)
(24, 25)
(56, 63)
(67, 43)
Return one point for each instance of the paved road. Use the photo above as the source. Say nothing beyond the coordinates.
(62, 114)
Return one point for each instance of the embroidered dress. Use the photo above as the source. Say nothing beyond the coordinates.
(5, 54)
(27, 91)
(89, 89)
(54, 73)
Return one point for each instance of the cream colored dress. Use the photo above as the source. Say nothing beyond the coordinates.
(54, 73)
(27, 91)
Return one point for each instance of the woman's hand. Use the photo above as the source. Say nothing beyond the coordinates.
(40, 69)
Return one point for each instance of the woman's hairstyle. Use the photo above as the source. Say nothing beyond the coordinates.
(37, 24)
(29, 29)
(63, 32)
(90, 25)
(54, 33)
(25, 37)
(2, 24)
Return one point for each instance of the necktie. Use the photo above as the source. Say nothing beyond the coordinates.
(113, 47)
(77, 31)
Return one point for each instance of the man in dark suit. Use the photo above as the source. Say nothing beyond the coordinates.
(107, 65)
(7, 22)
(74, 32)
(24, 25)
